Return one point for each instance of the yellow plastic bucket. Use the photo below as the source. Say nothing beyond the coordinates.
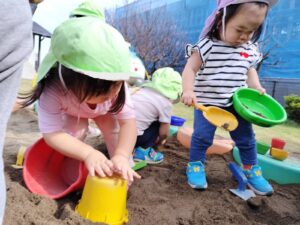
(104, 200)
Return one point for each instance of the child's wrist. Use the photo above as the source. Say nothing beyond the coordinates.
(187, 90)
(163, 136)
(124, 155)
(88, 152)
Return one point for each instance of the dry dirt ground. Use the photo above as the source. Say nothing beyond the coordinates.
(162, 197)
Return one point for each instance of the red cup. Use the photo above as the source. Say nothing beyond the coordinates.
(277, 143)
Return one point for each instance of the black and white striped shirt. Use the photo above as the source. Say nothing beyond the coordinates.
(224, 70)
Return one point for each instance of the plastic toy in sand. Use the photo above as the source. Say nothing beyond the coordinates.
(48, 173)
(220, 145)
(139, 165)
(20, 158)
(176, 123)
(104, 200)
(262, 110)
(238, 174)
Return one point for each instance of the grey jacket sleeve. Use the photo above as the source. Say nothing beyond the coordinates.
(15, 35)
(15, 46)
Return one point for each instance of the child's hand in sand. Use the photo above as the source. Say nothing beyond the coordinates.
(161, 140)
(97, 162)
(121, 166)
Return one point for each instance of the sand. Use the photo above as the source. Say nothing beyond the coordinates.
(162, 197)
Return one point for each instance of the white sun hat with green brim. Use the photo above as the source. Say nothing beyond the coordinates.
(91, 47)
(89, 8)
(166, 81)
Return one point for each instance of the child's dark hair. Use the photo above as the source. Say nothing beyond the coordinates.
(231, 10)
(82, 86)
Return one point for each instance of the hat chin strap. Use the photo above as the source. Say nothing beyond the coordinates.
(60, 76)
(65, 86)
(223, 23)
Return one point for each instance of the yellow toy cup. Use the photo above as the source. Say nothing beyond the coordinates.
(104, 200)
(279, 154)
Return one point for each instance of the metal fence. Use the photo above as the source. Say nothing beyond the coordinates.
(278, 88)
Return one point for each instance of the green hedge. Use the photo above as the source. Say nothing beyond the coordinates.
(293, 107)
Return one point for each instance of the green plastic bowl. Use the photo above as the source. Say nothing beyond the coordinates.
(262, 110)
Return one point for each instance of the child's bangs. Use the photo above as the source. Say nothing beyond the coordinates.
(85, 87)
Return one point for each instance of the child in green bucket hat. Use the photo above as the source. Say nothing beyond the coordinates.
(153, 108)
(89, 8)
(83, 77)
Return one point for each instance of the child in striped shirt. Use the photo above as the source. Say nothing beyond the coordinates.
(223, 61)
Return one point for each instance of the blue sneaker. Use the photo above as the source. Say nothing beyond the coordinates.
(148, 155)
(196, 175)
(257, 182)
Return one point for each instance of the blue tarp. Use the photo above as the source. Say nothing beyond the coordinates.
(281, 37)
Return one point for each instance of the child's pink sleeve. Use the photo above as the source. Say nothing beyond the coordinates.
(128, 110)
(50, 111)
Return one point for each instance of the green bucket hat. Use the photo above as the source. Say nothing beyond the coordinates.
(88, 46)
(167, 82)
(89, 8)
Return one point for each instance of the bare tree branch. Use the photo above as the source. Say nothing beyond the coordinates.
(154, 35)
(267, 52)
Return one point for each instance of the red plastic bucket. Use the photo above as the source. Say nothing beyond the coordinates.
(48, 173)
(277, 143)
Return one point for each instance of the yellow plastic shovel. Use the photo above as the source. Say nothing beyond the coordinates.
(20, 158)
(219, 117)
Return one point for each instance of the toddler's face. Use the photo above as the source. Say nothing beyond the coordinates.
(241, 27)
(105, 97)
